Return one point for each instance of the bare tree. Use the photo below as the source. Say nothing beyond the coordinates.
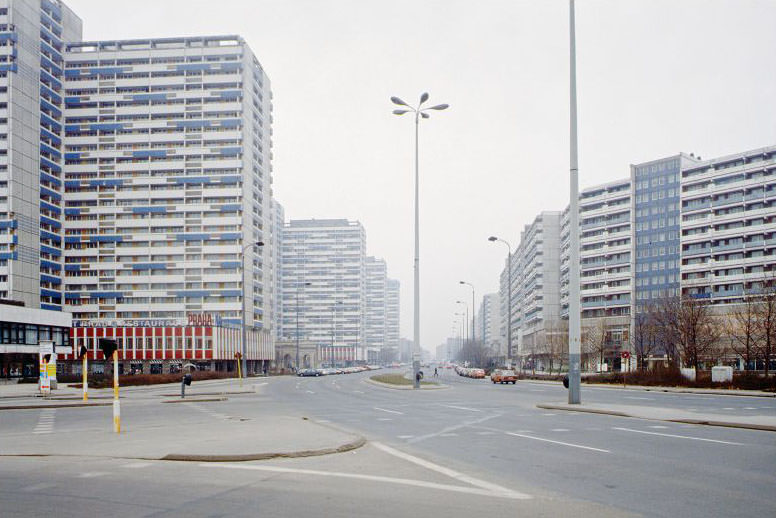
(744, 329)
(594, 342)
(645, 340)
(557, 339)
(689, 321)
(765, 309)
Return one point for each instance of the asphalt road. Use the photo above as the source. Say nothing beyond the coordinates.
(473, 448)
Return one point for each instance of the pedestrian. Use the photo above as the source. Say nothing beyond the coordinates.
(435, 372)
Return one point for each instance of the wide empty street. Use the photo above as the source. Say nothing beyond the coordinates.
(471, 448)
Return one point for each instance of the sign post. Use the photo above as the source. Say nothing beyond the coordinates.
(625, 355)
(116, 406)
(238, 356)
(46, 352)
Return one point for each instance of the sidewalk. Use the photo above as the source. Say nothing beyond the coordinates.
(219, 441)
(758, 422)
(658, 388)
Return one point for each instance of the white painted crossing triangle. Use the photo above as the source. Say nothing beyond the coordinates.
(580, 446)
(463, 408)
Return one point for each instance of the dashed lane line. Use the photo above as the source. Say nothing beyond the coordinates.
(389, 411)
(678, 436)
(463, 408)
(580, 446)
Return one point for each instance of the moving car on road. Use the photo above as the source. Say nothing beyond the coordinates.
(503, 376)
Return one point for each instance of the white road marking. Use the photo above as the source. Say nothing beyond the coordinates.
(93, 474)
(493, 489)
(728, 408)
(463, 408)
(373, 478)
(384, 419)
(485, 433)
(637, 397)
(548, 415)
(448, 435)
(535, 390)
(38, 487)
(310, 392)
(678, 436)
(46, 421)
(389, 411)
(324, 421)
(453, 428)
(136, 465)
(405, 436)
(750, 408)
(358, 391)
(659, 426)
(558, 442)
(559, 430)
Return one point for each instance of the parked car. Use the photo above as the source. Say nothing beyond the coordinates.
(503, 376)
(308, 372)
(477, 373)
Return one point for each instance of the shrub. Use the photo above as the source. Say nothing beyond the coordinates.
(102, 381)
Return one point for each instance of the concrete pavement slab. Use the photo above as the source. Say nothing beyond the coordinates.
(217, 441)
(756, 422)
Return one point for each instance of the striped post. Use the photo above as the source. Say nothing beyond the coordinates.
(116, 406)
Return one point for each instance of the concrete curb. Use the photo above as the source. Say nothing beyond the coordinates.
(195, 400)
(726, 424)
(403, 387)
(50, 405)
(227, 393)
(667, 390)
(349, 446)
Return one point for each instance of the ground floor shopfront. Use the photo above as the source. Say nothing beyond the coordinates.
(167, 349)
(21, 332)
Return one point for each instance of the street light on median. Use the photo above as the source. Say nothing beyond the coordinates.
(493, 239)
(420, 112)
(299, 286)
(474, 334)
(244, 308)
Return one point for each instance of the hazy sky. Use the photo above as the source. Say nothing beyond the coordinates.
(655, 77)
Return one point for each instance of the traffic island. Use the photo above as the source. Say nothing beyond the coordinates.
(397, 381)
(195, 399)
(203, 436)
(673, 415)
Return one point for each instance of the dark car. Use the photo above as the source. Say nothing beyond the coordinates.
(308, 372)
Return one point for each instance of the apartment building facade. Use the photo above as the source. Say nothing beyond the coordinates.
(392, 320)
(323, 294)
(167, 177)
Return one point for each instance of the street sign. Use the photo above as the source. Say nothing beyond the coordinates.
(46, 347)
(625, 355)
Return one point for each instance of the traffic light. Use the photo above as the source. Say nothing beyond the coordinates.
(82, 352)
(107, 346)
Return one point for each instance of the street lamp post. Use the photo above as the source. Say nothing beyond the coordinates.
(244, 308)
(298, 286)
(509, 297)
(419, 112)
(574, 316)
(465, 315)
(333, 329)
(474, 334)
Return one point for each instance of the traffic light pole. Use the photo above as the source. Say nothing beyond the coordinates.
(85, 382)
(116, 405)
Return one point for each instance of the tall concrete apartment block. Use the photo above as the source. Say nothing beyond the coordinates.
(728, 226)
(535, 283)
(276, 240)
(167, 177)
(376, 308)
(490, 323)
(32, 36)
(392, 320)
(605, 259)
(323, 297)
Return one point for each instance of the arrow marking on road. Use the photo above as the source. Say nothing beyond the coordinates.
(678, 436)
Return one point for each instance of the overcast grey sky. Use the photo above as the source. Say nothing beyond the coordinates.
(655, 77)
